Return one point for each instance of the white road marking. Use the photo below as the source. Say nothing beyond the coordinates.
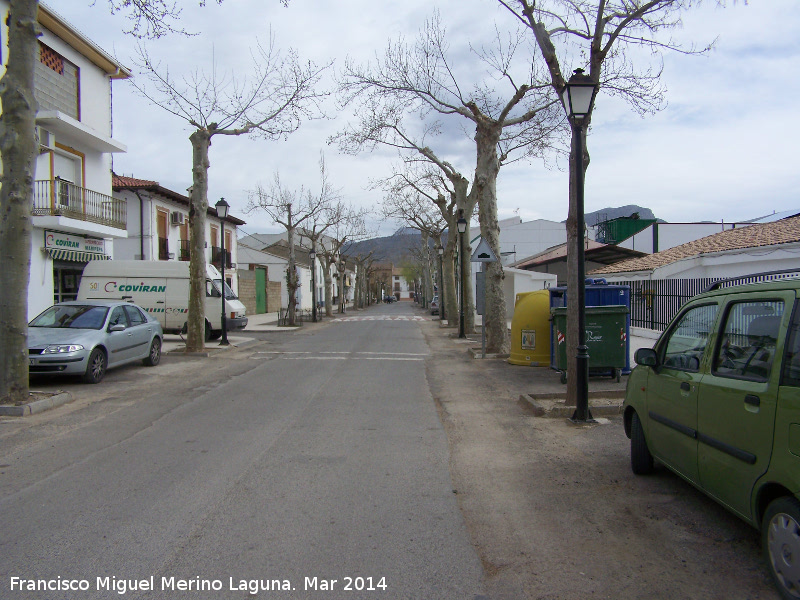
(340, 355)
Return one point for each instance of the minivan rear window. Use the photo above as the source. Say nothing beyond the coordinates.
(791, 368)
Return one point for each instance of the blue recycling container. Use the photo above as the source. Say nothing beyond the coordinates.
(598, 293)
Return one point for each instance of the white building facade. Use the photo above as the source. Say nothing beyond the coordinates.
(74, 217)
(158, 227)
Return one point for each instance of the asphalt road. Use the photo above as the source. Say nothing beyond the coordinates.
(320, 453)
(315, 462)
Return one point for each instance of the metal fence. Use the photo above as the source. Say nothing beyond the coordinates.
(655, 302)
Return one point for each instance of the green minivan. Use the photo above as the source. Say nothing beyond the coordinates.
(717, 401)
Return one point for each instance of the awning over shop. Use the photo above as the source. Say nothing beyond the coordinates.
(76, 256)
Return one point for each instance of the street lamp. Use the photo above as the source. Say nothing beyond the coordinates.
(578, 97)
(313, 256)
(462, 228)
(442, 316)
(222, 212)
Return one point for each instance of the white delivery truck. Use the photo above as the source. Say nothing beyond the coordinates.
(162, 289)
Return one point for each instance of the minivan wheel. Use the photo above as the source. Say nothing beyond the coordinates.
(208, 331)
(641, 459)
(780, 540)
(154, 356)
(95, 367)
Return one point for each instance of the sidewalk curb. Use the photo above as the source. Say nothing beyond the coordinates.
(478, 353)
(37, 406)
(601, 404)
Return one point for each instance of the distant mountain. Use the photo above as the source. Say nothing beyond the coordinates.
(607, 214)
(392, 248)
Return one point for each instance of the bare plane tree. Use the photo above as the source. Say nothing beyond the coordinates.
(18, 145)
(413, 209)
(599, 32)
(270, 104)
(293, 210)
(421, 79)
(348, 225)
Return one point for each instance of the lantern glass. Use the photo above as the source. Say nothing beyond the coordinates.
(462, 225)
(578, 95)
(222, 208)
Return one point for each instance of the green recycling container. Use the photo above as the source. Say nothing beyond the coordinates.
(606, 338)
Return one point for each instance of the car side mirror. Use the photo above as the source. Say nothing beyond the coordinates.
(646, 357)
(117, 328)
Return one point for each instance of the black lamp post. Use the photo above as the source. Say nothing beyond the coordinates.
(578, 96)
(462, 228)
(442, 316)
(222, 212)
(313, 256)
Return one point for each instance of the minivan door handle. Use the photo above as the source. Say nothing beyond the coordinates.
(752, 400)
(685, 386)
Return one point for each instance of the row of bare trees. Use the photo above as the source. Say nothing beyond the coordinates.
(320, 221)
(510, 108)
(515, 112)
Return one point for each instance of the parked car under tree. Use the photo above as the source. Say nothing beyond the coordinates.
(87, 338)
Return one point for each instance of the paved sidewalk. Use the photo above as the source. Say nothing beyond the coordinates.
(545, 394)
(263, 322)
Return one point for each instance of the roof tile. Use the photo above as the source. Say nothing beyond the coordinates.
(784, 231)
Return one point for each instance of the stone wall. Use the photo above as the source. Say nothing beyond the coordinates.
(273, 296)
(247, 290)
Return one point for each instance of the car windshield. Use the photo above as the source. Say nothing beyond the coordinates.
(72, 316)
(229, 295)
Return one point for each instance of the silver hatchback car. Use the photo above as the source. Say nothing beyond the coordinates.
(87, 338)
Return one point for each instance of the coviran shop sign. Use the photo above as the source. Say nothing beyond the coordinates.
(77, 243)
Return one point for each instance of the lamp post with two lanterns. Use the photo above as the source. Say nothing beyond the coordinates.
(578, 97)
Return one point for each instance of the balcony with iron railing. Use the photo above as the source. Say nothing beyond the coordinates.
(183, 250)
(216, 253)
(55, 197)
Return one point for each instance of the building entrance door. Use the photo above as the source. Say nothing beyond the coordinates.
(66, 279)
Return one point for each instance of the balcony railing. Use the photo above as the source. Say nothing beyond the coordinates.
(216, 253)
(183, 250)
(61, 198)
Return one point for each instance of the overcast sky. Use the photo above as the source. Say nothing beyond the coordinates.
(724, 148)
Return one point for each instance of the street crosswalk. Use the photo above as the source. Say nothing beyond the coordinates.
(343, 355)
(378, 318)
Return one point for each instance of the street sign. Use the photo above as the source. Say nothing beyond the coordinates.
(483, 253)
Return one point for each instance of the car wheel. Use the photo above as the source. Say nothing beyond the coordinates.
(780, 540)
(154, 357)
(208, 331)
(96, 367)
(215, 334)
(641, 459)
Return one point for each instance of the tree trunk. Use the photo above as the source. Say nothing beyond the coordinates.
(426, 269)
(291, 272)
(18, 151)
(450, 300)
(466, 280)
(328, 287)
(486, 170)
(196, 325)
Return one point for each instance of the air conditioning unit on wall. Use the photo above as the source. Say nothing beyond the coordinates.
(177, 218)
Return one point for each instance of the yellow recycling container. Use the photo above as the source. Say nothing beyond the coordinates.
(530, 330)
